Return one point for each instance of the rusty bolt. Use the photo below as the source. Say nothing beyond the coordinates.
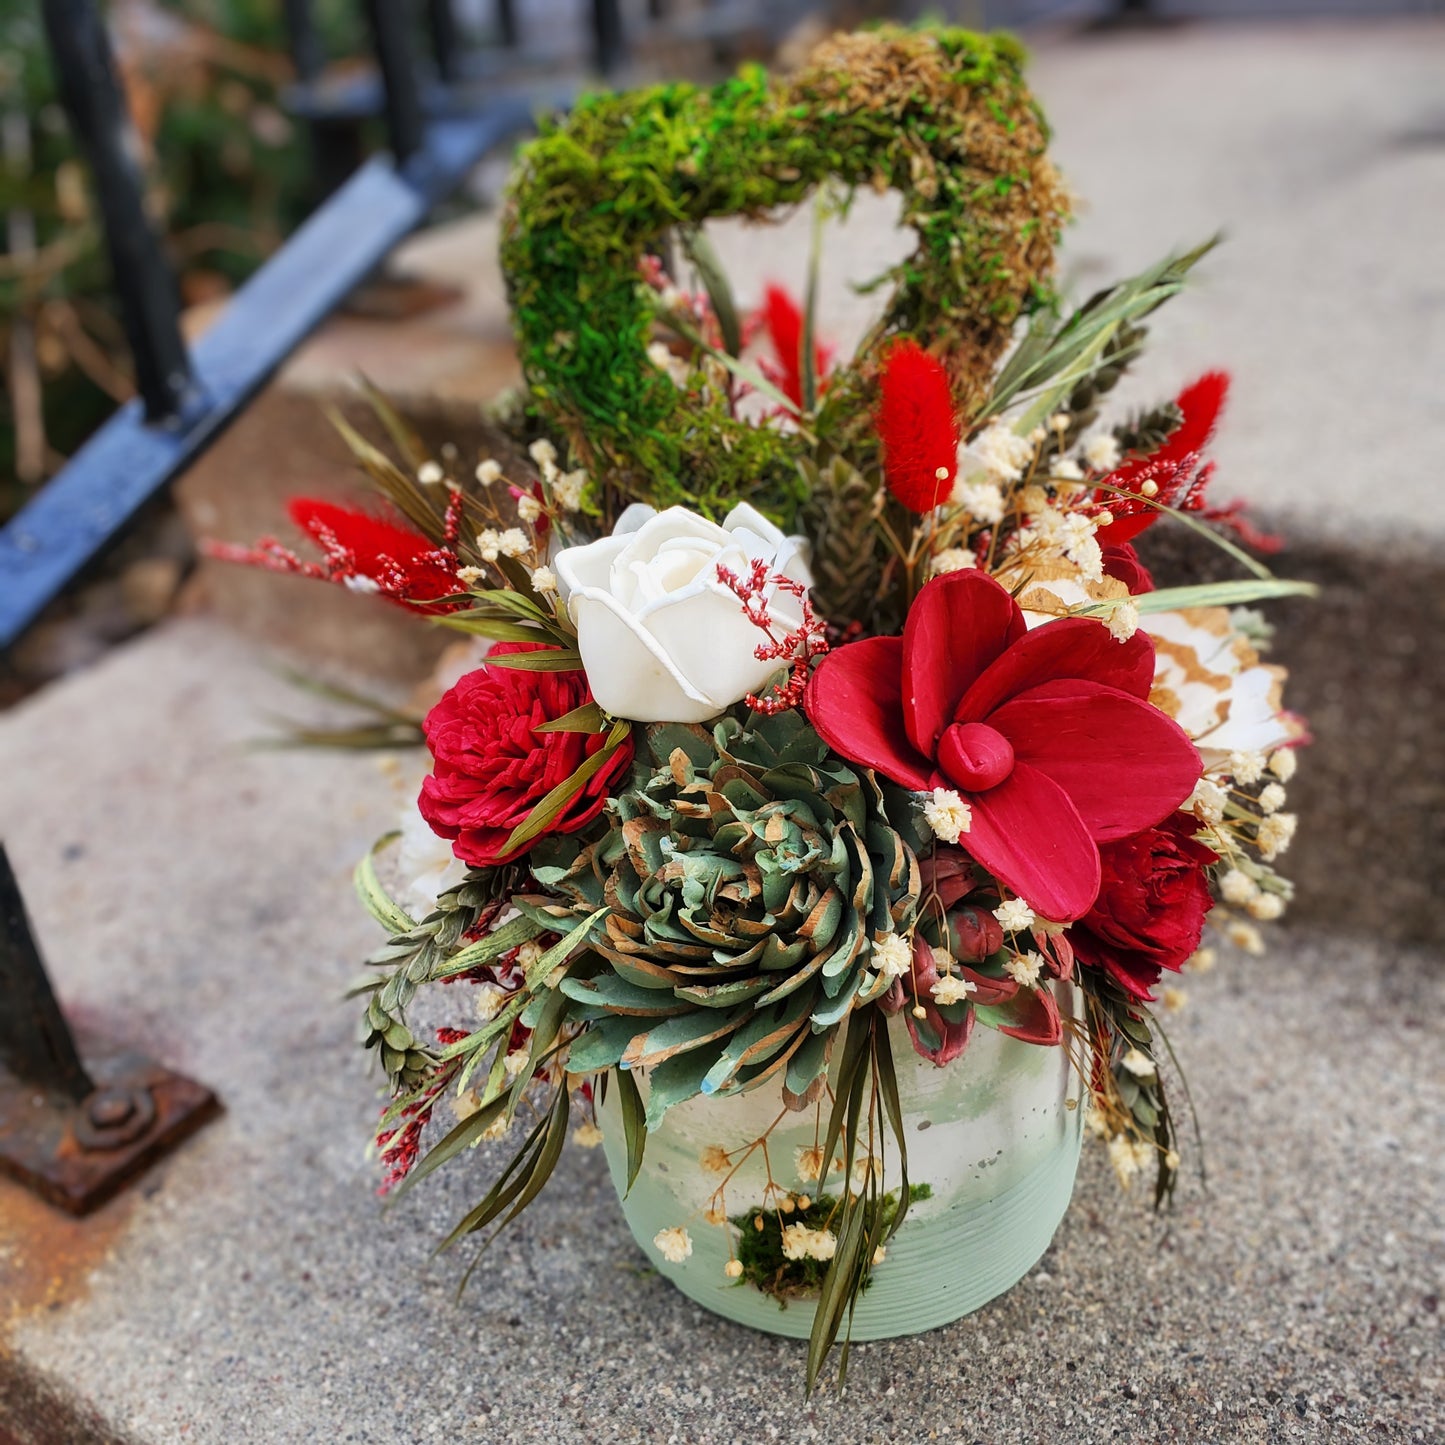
(110, 1108)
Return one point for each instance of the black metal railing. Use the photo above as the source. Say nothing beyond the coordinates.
(441, 116)
(439, 125)
(79, 1119)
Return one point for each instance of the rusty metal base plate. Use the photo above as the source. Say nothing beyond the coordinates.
(77, 1155)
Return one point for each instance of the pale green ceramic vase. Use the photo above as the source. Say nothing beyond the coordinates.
(995, 1134)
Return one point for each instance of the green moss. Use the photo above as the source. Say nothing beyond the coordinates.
(760, 1245)
(942, 116)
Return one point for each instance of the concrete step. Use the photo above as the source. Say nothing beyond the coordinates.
(193, 896)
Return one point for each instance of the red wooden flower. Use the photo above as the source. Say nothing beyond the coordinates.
(1149, 914)
(491, 765)
(1046, 734)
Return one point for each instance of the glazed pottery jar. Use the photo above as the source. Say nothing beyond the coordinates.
(993, 1138)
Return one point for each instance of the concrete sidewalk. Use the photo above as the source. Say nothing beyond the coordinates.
(193, 896)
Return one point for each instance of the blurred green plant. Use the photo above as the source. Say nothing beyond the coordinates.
(229, 178)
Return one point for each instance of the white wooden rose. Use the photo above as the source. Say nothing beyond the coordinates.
(661, 638)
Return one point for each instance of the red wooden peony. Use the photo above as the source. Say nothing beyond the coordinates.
(1149, 914)
(492, 767)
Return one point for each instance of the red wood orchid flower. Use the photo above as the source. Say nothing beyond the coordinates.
(1047, 735)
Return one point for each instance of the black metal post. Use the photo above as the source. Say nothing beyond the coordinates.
(446, 39)
(607, 35)
(398, 75)
(35, 1041)
(307, 53)
(507, 31)
(150, 302)
(335, 141)
(75, 1132)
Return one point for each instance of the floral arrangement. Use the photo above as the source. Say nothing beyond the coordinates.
(736, 788)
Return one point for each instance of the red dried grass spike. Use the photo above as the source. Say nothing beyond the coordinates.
(407, 566)
(1201, 402)
(783, 319)
(917, 426)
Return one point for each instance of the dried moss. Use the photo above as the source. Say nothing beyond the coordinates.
(760, 1250)
(940, 115)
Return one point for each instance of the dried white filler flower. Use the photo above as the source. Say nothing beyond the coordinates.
(1014, 915)
(947, 815)
(1139, 1064)
(675, 1244)
(1275, 834)
(1123, 622)
(1267, 907)
(892, 955)
(1101, 452)
(952, 989)
(809, 1164)
(1247, 767)
(1237, 887)
(567, 488)
(952, 559)
(1024, 968)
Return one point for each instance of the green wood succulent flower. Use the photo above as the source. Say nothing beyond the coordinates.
(748, 874)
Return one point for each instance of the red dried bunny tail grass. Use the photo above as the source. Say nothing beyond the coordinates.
(917, 426)
(406, 565)
(785, 330)
(1178, 470)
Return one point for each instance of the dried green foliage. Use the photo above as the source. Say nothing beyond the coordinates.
(865, 1108)
(853, 571)
(1146, 431)
(385, 727)
(747, 874)
(1234, 593)
(419, 953)
(1133, 1104)
(942, 116)
(1055, 358)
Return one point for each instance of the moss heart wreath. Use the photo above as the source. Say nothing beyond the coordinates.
(940, 115)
